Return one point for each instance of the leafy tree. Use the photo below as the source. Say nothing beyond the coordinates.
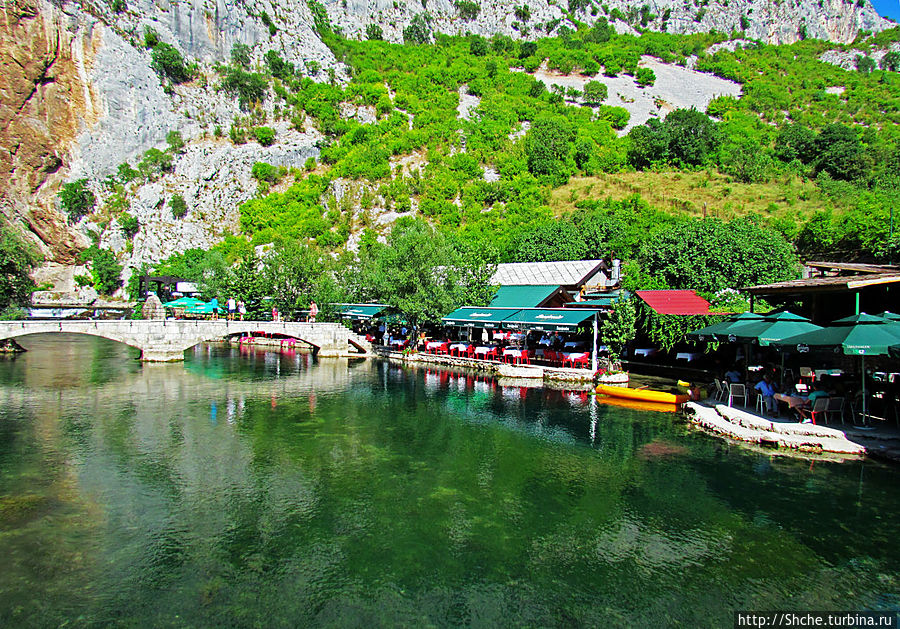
(240, 55)
(76, 199)
(864, 64)
(693, 136)
(527, 49)
(421, 274)
(279, 68)
(522, 13)
(155, 163)
(709, 255)
(264, 172)
(478, 46)
(419, 30)
(106, 272)
(169, 63)
(744, 159)
(17, 260)
(595, 93)
(620, 327)
(249, 87)
(295, 274)
(839, 152)
(796, 141)
(648, 143)
(890, 61)
(547, 148)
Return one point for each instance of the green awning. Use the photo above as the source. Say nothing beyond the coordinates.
(524, 296)
(361, 311)
(478, 317)
(548, 319)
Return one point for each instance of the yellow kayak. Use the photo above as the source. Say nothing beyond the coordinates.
(645, 395)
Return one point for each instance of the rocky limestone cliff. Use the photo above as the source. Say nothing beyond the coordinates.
(80, 98)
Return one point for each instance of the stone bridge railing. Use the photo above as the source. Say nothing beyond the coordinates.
(166, 339)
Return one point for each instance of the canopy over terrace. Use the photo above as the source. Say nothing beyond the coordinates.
(543, 319)
(361, 312)
(530, 296)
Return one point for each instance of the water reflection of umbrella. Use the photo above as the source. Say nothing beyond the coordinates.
(860, 335)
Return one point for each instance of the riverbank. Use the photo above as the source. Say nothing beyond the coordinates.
(501, 370)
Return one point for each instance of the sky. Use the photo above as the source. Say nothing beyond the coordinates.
(888, 8)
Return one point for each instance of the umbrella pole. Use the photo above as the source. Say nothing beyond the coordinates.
(865, 417)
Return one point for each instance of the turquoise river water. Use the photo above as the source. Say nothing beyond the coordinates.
(258, 489)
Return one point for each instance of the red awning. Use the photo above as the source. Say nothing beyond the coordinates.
(676, 302)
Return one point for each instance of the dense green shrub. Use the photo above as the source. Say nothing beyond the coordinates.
(264, 135)
(240, 55)
(268, 173)
(374, 32)
(467, 9)
(76, 199)
(419, 30)
(175, 141)
(169, 63)
(106, 271)
(178, 206)
(595, 93)
(17, 259)
(644, 77)
(249, 87)
(129, 225)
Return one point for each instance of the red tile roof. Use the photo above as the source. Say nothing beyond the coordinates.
(676, 302)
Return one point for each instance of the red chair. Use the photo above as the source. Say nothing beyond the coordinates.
(524, 359)
(581, 361)
(550, 356)
(443, 348)
(470, 351)
(492, 355)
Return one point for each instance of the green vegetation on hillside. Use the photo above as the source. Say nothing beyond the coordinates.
(805, 162)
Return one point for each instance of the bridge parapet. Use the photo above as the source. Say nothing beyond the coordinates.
(163, 340)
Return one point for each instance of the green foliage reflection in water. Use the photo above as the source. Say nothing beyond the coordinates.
(399, 497)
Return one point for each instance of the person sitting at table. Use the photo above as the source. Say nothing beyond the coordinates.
(767, 390)
(818, 391)
(733, 375)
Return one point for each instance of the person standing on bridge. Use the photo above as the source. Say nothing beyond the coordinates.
(231, 305)
(242, 309)
(313, 312)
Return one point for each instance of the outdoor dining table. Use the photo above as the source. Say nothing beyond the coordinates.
(459, 347)
(793, 401)
(827, 372)
(645, 351)
(434, 344)
(513, 353)
(483, 351)
(688, 356)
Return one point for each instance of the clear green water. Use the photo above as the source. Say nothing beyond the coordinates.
(267, 490)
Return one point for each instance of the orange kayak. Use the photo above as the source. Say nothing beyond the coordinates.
(644, 395)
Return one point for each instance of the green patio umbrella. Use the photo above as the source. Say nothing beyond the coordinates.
(182, 302)
(717, 330)
(772, 328)
(860, 335)
(887, 315)
(203, 308)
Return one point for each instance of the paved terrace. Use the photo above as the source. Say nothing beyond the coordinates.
(165, 340)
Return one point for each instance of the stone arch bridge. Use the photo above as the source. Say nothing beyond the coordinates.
(164, 340)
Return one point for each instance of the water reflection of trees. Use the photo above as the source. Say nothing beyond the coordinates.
(335, 493)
